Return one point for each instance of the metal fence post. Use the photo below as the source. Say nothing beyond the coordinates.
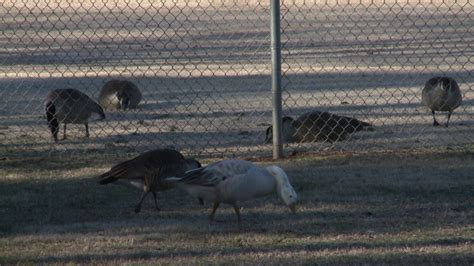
(276, 78)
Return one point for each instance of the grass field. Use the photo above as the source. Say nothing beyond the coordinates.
(397, 208)
(205, 73)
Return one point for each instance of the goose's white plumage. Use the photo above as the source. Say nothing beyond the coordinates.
(235, 181)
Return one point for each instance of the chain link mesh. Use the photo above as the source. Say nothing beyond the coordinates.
(370, 60)
(203, 69)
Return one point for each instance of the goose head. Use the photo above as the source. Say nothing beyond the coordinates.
(288, 130)
(284, 188)
(124, 99)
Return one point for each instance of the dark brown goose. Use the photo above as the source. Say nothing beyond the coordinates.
(441, 94)
(69, 106)
(119, 95)
(318, 126)
(148, 170)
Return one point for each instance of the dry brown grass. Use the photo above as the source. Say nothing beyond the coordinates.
(354, 209)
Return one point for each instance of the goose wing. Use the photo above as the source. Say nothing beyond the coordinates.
(348, 124)
(332, 121)
(157, 162)
(215, 173)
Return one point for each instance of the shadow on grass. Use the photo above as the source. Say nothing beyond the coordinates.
(349, 196)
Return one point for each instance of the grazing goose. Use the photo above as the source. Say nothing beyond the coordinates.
(119, 95)
(317, 126)
(148, 170)
(69, 106)
(235, 181)
(441, 94)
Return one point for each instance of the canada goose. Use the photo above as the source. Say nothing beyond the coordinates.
(441, 94)
(235, 181)
(317, 126)
(119, 94)
(69, 106)
(148, 170)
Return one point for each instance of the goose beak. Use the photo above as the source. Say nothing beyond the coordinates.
(292, 208)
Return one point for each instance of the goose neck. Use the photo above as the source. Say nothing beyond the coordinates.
(279, 176)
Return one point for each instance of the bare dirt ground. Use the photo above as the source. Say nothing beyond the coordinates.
(205, 72)
(398, 208)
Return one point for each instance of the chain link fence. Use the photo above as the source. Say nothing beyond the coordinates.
(370, 60)
(204, 72)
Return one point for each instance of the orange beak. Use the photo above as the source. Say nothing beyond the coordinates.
(292, 208)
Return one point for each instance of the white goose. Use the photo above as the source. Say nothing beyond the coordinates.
(235, 181)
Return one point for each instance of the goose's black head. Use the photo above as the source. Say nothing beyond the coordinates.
(449, 84)
(269, 135)
(124, 99)
(269, 131)
(53, 123)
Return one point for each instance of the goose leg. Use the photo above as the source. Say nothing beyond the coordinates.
(449, 116)
(87, 129)
(214, 208)
(435, 123)
(139, 205)
(237, 211)
(64, 134)
(156, 202)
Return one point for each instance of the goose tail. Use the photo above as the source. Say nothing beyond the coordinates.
(107, 180)
(119, 171)
(367, 126)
